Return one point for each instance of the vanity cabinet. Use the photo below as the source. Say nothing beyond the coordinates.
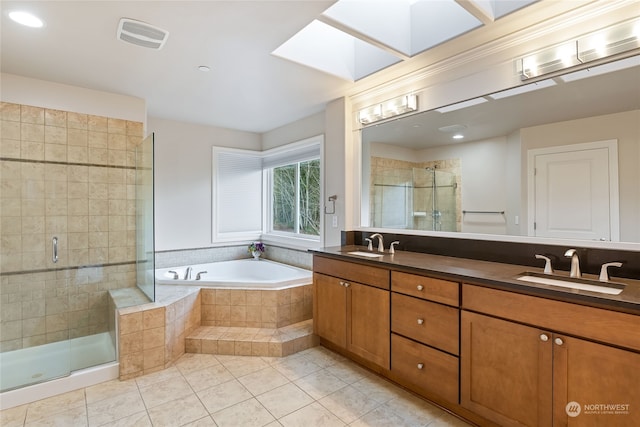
(425, 334)
(523, 361)
(351, 308)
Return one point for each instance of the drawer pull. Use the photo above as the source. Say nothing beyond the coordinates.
(544, 337)
(420, 321)
(346, 284)
(559, 341)
(420, 287)
(420, 365)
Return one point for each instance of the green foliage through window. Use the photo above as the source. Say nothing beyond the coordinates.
(296, 198)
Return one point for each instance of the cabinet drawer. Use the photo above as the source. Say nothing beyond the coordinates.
(598, 324)
(431, 370)
(368, 275)
(443, 291)
(434, 324)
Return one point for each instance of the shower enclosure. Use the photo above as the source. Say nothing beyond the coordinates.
(69, 232)
(421, 198)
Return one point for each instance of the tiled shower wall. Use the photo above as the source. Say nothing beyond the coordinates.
(393, 172)
(71, 176)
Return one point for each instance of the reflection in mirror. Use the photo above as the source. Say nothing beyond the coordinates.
(480, 156)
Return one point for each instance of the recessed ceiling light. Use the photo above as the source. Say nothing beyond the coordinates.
(204, 68)
(457, 136)
(26, 18)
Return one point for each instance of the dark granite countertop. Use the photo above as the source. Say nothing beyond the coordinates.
(496, 275)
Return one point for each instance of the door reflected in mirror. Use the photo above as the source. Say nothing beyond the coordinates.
(482, 178)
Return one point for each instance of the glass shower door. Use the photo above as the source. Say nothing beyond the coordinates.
(145, 248)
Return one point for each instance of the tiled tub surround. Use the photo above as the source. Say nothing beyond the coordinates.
(216, 321)
(256, 309)
(294, 257)
(68, 175)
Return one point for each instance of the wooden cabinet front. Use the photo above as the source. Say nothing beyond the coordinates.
(427, 369)
(330, 313)
(604, 381)
(352, 315)
(515, 374)
(368, 323)
(505, 371)
(442, 291)
(430, 323)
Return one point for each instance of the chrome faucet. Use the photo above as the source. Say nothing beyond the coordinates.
(548, 269)
(575, 263)
(604, 273)
(380, 241)
(369, 246)
(392, 250)
(187, 273)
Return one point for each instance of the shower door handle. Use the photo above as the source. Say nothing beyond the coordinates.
(54, 243)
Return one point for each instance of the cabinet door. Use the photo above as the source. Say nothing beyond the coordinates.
(587, 377)
(368, 317)
(330, 314)
(506, 371)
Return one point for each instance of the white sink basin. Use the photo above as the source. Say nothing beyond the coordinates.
(583, 285)
(366, 254)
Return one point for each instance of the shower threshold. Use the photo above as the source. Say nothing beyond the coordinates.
(33, 365)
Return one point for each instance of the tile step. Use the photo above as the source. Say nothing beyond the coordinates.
(241, 341)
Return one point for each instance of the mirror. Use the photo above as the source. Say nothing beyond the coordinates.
(415, 176)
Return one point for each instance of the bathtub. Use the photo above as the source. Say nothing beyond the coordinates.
(237, 274)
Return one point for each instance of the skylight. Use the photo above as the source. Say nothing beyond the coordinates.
(355, 38)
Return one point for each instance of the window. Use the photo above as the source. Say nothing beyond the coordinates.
(270, 195)
(293, 191)
(295, 198)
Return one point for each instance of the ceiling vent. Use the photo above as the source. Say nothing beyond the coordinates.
(452, 128)
(141, 34)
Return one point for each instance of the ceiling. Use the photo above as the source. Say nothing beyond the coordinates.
(247, 88)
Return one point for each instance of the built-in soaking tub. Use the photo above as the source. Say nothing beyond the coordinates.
(245, 293)
(247, 274)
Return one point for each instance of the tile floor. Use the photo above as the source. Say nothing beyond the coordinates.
(315, 387)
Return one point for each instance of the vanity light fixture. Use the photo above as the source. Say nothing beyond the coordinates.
(387, 109)
(616, 39)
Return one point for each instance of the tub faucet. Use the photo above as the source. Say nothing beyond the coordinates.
(187, 273)
(380, 241)
(575, 263)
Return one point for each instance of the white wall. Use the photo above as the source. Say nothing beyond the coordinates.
(183, 179)
(295, 131)
(41, 93)
(339, 156)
